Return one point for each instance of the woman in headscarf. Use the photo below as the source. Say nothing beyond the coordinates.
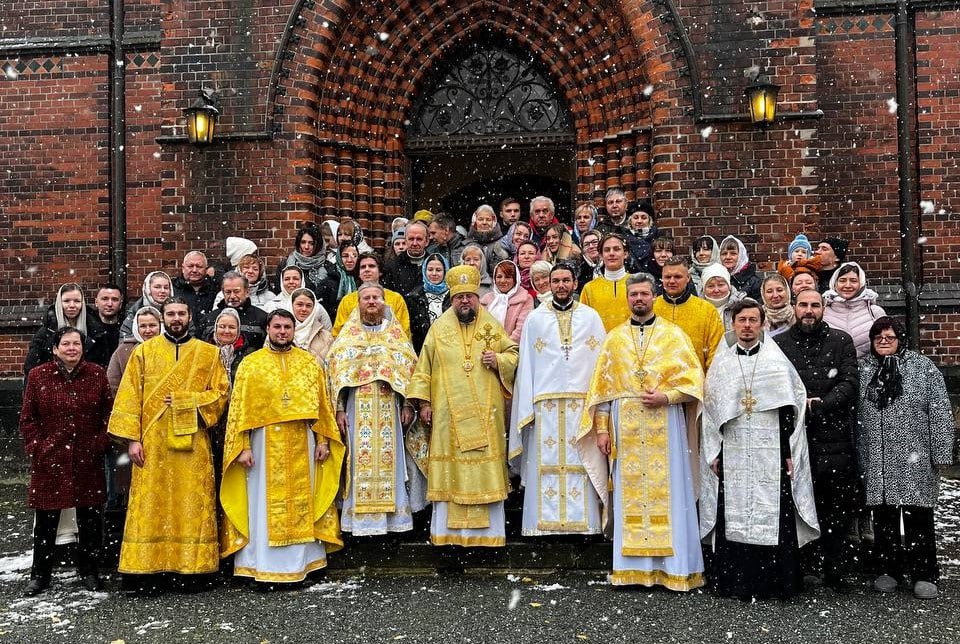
(350, 230)
(312, 332)
(905, 437)
(473, 255)
(157, 288)
(743, 274)
(527, 254)
(540, 279)
(429, 300)
(254, 268)
(328, 232)
(718, 290)
(508, 302)
(558, 246)
(149, 324)
(348, 277)
(778, 312)
(291, 278)
(310, 256)
(850, 306)
(68, 309)
(703, 252)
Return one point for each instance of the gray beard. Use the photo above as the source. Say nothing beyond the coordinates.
(467, 316)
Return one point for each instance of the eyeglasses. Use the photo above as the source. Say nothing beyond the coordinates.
(881, 339)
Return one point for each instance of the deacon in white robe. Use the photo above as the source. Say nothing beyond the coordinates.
(756, 503)
(559, 346)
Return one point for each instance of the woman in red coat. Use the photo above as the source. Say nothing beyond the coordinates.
(66, 405)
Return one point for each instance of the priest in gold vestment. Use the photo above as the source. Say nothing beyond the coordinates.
(370, 365)
(462, 382)
(173, 389)
(282, 460)
(646, 370)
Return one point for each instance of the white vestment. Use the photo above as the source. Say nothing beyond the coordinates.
(558, 352)
(750, 444)
(258, 559)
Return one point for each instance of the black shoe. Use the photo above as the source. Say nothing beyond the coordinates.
(35, 587)
(92, 582)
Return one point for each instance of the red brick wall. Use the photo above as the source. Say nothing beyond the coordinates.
(338, 111)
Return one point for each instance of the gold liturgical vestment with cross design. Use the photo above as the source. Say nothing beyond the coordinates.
(171, 517)
(378, 366)
(285, 393)
(467, 464)
(661, 358)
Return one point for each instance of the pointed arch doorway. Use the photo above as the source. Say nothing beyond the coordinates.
(490, 124)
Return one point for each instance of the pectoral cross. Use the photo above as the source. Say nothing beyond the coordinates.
(748, 402)
(641, 373)
(566, 348)
(285, 399)
(488, 336)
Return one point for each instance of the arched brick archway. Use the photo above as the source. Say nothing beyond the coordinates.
(356, 72)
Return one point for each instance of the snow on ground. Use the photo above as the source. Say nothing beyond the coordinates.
(947, 521)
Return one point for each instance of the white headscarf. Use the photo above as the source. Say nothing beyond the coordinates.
(497, 307)
(147, 298)
(81, 324)
(226, 350)
(742, 257)
(717, 270)
(305, 330)
(541, 266)
(863, 294)
(151, 310)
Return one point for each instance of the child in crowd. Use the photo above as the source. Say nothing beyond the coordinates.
(799, 254)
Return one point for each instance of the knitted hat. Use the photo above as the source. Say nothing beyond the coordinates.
(400, 234)
(463, 279)
(839, 247)
(423, 215)
(715, 270)
(237, 247)
(800, 241)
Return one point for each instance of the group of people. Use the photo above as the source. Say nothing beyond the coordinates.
(663, 402)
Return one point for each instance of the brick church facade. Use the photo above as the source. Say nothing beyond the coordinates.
(336, 108)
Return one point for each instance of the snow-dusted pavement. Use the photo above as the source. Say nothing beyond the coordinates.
(503, 607)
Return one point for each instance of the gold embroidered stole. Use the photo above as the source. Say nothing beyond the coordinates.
(289, 492)
(374, 451)
(645, 480)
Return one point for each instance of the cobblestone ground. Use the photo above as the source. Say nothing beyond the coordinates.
(476, 606)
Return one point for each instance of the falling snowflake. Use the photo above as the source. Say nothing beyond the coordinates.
(892, 105)
(927, 207)
(706, 132)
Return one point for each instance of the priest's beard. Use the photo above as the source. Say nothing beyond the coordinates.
(279, 345)
(372, 319)
(467, 316)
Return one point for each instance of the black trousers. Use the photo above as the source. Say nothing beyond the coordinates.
(90, 524)
(915, 551)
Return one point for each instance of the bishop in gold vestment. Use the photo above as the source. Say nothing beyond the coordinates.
(646, 369)
(463, 379)
(171, 518)
(279, 482)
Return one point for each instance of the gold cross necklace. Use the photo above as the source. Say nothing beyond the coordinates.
(748, 401)
(640, 372)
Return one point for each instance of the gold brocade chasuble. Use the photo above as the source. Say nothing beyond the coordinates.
(171, 518)
(378, 365)
(285, 393)
(664, 360)
(467, 464)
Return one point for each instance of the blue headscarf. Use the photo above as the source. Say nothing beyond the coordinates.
(428, 286)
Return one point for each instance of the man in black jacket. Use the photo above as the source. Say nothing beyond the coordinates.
(403, 274)
(826, 360)
(195, 286)
(236, 294)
